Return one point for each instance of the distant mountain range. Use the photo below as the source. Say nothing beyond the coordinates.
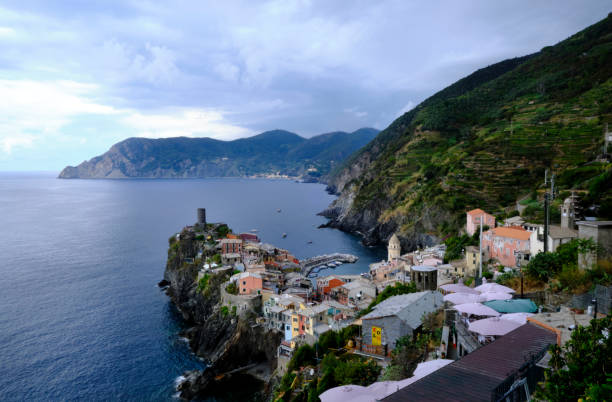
(272, 152)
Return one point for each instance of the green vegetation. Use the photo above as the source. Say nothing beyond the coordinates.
(389, 291)
(559, 270)
(203, 283)
(224, 311)
(232, 288)
(582, 368)
(216, 259)
(455, 246)
(408, 353)
(333, 367)
(487, 139)
(269, 152)
(222, 230)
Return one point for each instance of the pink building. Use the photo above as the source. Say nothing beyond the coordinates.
(501, 244)
(473, 221)
(249, 283)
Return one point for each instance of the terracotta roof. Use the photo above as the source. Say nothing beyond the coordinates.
(513, 232)
(475, 376)
(476, 211)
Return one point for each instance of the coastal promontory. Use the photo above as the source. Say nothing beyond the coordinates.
(273, 153)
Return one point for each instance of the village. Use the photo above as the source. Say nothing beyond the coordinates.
(478, 318)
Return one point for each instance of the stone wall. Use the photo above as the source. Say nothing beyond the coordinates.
(243, 303)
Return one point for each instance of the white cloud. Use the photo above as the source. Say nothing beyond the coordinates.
(34, 112)
(183, 123)
(30, 109)
(153, 64)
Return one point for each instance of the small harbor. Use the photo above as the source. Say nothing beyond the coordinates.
(312, 266)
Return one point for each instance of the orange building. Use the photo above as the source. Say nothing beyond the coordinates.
(249, 283)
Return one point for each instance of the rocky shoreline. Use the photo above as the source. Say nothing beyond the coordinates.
(227, 342)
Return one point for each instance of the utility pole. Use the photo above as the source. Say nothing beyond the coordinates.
(548, 196)
(480, 249)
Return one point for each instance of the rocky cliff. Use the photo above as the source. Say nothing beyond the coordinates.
(227, 341)
(272, 152)
(485, 142)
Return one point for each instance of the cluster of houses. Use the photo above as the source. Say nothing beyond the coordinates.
(477, 323)
(514, 243)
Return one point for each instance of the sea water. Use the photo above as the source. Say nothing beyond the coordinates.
(81, 317)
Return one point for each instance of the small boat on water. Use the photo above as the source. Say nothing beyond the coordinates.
(309, 242)
(331, 265)
(284, 235)
(254, 230)
(278, 210)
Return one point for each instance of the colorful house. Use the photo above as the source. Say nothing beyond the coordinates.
(325, 285)
(504, 243)
(248, 283)
(473, 221)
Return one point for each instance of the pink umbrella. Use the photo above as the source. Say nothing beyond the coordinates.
(493, 287)
(458, 288)
(476, 309)
(462, 298)
(488, 296)
(493, 326)
(520, 318)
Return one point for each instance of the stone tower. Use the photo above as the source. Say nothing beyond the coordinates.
(568, 212)
(394, 248)
(202, 217)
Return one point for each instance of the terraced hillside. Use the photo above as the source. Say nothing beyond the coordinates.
(486, 141)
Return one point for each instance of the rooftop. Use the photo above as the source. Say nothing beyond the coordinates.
(595, 223)
(475, 376)
(413, 302)
(511, 232)
(558, 232)
(561, 322)
(476, 211)
(423, 268)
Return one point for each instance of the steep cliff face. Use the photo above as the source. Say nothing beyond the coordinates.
(483, 142)
(225, 340)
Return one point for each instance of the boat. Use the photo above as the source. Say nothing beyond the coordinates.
(278, 210)
(254, 230)
(309, 242)
(331, 265)
(284, 235)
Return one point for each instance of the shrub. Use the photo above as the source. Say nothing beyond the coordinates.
(224, 311)
(232, 288)
(203, 283)
(303, 356)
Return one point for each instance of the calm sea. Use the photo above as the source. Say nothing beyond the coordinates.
(81, 317)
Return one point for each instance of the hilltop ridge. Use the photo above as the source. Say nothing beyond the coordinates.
(272, 152)
(485, 142)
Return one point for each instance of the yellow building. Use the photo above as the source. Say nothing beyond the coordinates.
(472, 260)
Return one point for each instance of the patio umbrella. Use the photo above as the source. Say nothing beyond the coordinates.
(462, 298)
(493, 326)
(476, 309)
(493, 287)
(458, 288)
(487, 296)
(520, 318)
(513, 306)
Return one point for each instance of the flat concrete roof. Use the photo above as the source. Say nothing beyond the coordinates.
(561, 322)
(595, 223)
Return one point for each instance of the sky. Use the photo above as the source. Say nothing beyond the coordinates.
(78, 76)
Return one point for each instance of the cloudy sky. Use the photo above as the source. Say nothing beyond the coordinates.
(78, 76)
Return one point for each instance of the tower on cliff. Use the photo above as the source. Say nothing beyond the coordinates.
(394, 248)
(202, 217)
